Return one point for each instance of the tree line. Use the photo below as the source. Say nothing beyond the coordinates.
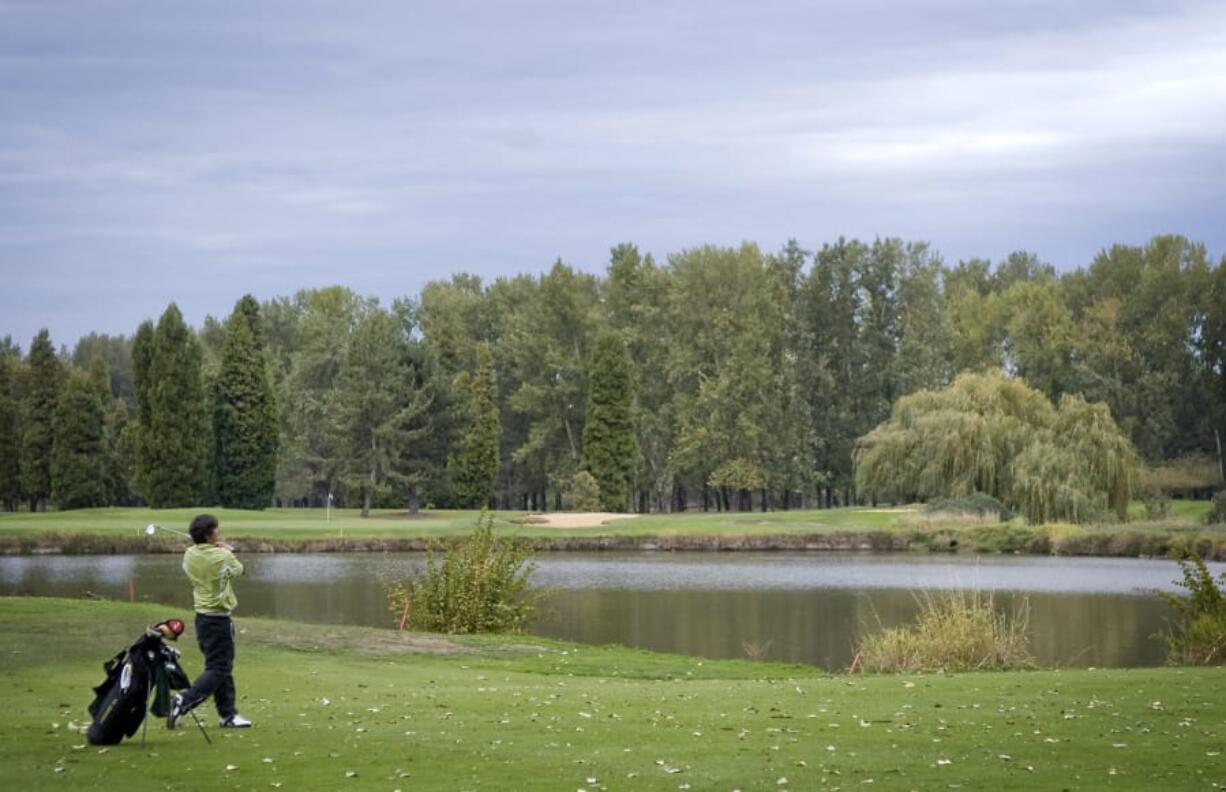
(719, 378)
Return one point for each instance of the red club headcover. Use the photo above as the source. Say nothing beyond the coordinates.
(171, 628)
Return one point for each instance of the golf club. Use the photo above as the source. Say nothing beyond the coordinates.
(153, 528)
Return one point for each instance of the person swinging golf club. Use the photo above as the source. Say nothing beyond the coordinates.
(211, 566)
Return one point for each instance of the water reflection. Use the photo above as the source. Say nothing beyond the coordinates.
(797, 607)
(820, 627)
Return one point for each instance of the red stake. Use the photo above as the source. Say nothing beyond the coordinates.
(131, 590)
(855, 663)
(404, 617)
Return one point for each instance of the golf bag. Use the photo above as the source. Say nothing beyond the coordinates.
(149, 664)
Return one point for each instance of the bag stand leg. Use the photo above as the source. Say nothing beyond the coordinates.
(144, 729)
(196, 718)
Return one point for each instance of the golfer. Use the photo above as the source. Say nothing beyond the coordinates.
(211, 566)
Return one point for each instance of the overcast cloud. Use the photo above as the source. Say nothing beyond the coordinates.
(194, 151)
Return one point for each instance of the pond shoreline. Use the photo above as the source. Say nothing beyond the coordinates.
(983, 540)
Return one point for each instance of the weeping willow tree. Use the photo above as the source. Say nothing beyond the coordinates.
(991, 433)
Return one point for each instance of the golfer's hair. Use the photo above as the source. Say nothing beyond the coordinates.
(202, 526)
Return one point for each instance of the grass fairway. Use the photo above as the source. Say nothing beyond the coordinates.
(311, 524)
(307, 525)
(354, 708)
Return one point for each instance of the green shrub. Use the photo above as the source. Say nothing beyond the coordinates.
(1009, 538)
(956, 631)
(585, 492)
(479, 586)
(1217, 514)
(934, 541)
(1198, 636)
(1157, 506)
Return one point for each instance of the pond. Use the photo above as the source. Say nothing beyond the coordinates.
(803, 607)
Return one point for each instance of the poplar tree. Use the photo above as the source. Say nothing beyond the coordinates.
(245, 415)
(38, 435)
(609, 449)
(365, 406)
(310, 460)
(78, 461)
(99, 378)
(635, 297)
(427, 431)
(142, 360)
(474, 467)
(10, 468)
(174, 428)
(120, 454)
(1214, 350)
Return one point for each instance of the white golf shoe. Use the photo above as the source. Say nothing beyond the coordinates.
(235, 721)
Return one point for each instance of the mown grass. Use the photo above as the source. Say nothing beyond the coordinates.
(311, 523)
(120, 530)
(407, 711)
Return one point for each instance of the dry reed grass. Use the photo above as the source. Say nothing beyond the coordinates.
(956, 631)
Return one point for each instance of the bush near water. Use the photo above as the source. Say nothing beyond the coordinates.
(1198, 635)
(480, 585)
(955, 631)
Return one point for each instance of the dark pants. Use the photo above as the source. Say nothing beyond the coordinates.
(215, 634)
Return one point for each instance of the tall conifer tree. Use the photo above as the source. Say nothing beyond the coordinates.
(99, 377)
(474, 467)
(608, 431)
(174, 428)
(37, 436)
(10, 446)
(142, 361)
(245, 415)
(78, 461)
(381, 411)
(121, 454)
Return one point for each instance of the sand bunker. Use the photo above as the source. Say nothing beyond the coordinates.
(576, 519)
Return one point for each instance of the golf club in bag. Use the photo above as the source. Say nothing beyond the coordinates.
(147, 667)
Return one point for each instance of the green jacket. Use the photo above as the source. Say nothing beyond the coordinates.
(211, 569)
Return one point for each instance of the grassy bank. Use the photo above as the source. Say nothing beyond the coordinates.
(410, 711)
(302, 530)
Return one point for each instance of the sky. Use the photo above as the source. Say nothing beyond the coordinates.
(196, 151)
